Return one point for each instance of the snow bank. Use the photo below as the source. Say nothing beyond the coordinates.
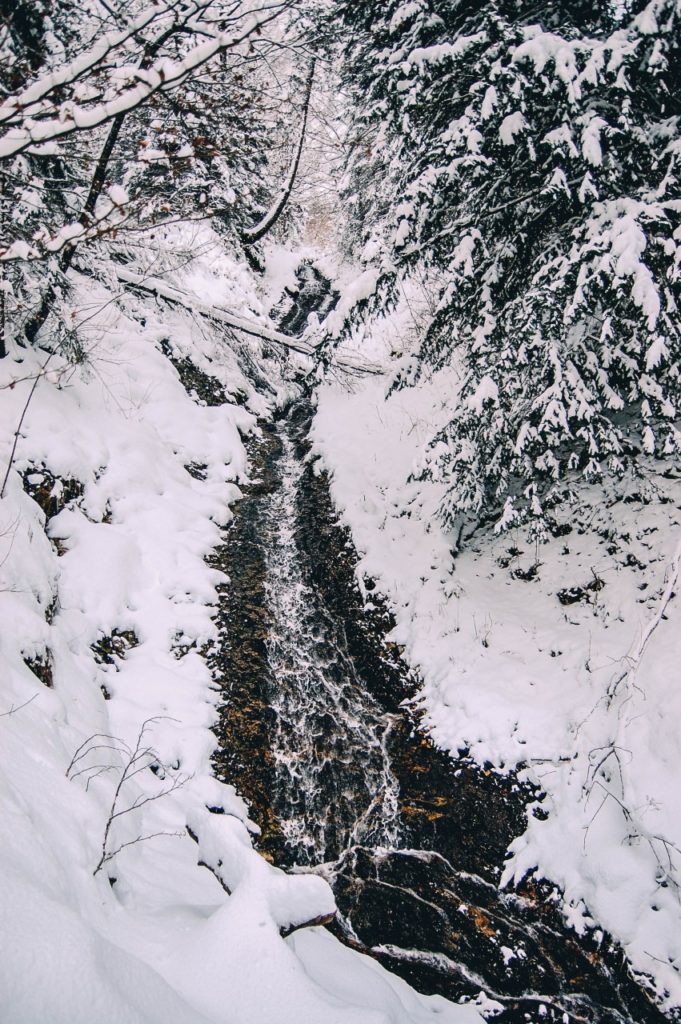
(561, 686)
(107, 705)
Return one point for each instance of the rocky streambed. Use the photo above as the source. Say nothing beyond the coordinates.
(315, 733)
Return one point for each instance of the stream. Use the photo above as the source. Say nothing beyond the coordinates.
(317, 733)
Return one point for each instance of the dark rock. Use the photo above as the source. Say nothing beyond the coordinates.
(51, 492)
(41, 665)
(114, 646)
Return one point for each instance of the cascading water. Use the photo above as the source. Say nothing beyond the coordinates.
(335, 787)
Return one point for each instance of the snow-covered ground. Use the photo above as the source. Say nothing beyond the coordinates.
(105, 777)
(105, 607)
(582, 693)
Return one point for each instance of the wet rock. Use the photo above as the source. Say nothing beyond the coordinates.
(51, 492)
(205, 389)
(310, 294)
(112, 647)
(238, 661)
(41, 665)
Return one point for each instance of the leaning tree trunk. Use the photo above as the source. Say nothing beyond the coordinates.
(251, 235)
(35, 323)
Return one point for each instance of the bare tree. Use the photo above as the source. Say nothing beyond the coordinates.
(165, 47)
(39, 114)
(266, 223)
(88, 762)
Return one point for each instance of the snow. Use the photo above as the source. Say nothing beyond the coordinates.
(489, 102)
(167, 912)
(362, 287)
(518, 678)
(511, 126)
(541, 47)
(118, 195)
(486, 391)
(627, 245)
(646, 21)
(591, 141)
(152, 936)
(403, 13)
(442, 51)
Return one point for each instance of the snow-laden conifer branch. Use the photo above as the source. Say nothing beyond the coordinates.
(536, 172)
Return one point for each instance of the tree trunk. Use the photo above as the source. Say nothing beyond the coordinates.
(38, 319)
(251, 235)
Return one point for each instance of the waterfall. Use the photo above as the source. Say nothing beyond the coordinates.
(335, 787)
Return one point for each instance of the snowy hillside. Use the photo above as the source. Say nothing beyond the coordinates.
(107, 602)
(340, 512)
(559, 658)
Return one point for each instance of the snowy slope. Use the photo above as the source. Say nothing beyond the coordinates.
(107, 704)
(560, 659)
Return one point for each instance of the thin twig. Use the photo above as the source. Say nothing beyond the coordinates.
(18, 430)
(13, 710)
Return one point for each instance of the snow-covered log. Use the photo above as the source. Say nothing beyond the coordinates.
(238, 323)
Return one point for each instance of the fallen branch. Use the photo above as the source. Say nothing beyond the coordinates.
(17, 432)
(606, 768)
(634, 659)
(14, 708)
(173, 295)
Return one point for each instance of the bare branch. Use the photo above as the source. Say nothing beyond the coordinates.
(17, 432)
(164, 74)
(138, 759)
(133, 842)
(258, 231)
(13, 710)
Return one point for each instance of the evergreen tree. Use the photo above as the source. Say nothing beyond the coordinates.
(532, 156)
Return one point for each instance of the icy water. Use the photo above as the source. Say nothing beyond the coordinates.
(316, 733)
(334, 783)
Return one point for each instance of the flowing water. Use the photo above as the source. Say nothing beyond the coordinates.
(342, 780)
(316, 734)
(334, 784)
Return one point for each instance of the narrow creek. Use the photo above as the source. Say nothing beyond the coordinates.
(342, 780)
